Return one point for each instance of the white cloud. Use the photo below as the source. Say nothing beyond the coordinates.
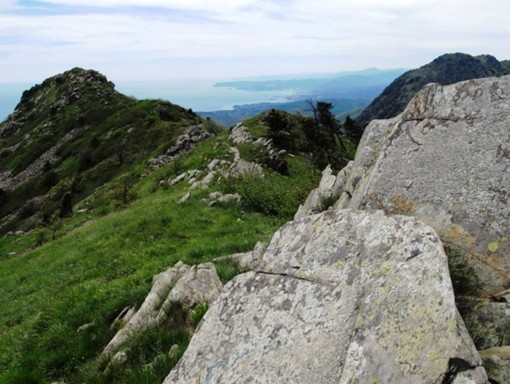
(190, 38)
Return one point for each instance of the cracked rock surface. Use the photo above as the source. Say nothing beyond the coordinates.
(446, 161)
(341, 297)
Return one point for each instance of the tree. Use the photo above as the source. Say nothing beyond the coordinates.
(66, 209)
(323, 132)
(327, 120)
(280, 129)
(352, 130)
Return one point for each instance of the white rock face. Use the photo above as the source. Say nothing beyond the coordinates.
(445, 160)
(340, 297)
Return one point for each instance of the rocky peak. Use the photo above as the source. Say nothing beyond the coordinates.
(53, 95)
(73, 126)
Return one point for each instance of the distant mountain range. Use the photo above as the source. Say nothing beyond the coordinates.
(353, 85)
(446, 69)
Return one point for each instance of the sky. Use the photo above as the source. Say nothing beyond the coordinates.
(228, 39)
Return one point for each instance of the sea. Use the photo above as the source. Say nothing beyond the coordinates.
(199, 95)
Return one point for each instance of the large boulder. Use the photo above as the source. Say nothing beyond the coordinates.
(445, 160)
(341, 297)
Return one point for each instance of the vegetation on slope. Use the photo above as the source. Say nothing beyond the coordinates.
(71, 134)
(61, 295)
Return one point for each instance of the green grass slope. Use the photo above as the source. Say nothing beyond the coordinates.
(59, 296)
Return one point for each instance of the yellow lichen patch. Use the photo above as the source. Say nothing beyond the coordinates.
(493, 247)
(401, 206)
(452, 325)
(386, 269)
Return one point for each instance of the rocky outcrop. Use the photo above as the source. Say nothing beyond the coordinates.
(276, 161)
(184, 143)
(71, 85)
(497, 363)
(445, 161)
(329, 189)
(180, 284)
(341, 297)
(239, 134)
(8, 181)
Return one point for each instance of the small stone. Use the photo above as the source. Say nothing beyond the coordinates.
(85, 327)
(120, 357)
(185, 198)
(173, 350)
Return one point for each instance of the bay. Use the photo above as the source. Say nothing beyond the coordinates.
(200, 95)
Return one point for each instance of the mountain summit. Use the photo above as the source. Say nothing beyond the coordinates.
(446, 69)
(71, 134)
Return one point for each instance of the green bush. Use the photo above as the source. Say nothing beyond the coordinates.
(326, 202)
(261, 195)
(198, 312)
(254, 153)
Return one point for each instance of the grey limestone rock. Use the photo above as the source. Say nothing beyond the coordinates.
(249, 260)
(445, 160)
(185, 142)
(161, 286)
(497, 363)
(329, 186)
(341, 297)
(200, 283)
(191, 137)
(487, 321)
(243, 167)
(185, 197)
(181, 283)
(239, 134)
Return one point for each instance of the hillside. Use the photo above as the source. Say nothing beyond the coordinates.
(71, 134)
(101, 192)
(446, 69)
(166, 270)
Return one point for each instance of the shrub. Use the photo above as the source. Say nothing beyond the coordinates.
(254, 153)
(198, 312)
(259, 194)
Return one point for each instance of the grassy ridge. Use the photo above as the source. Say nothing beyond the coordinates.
(103, 260)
